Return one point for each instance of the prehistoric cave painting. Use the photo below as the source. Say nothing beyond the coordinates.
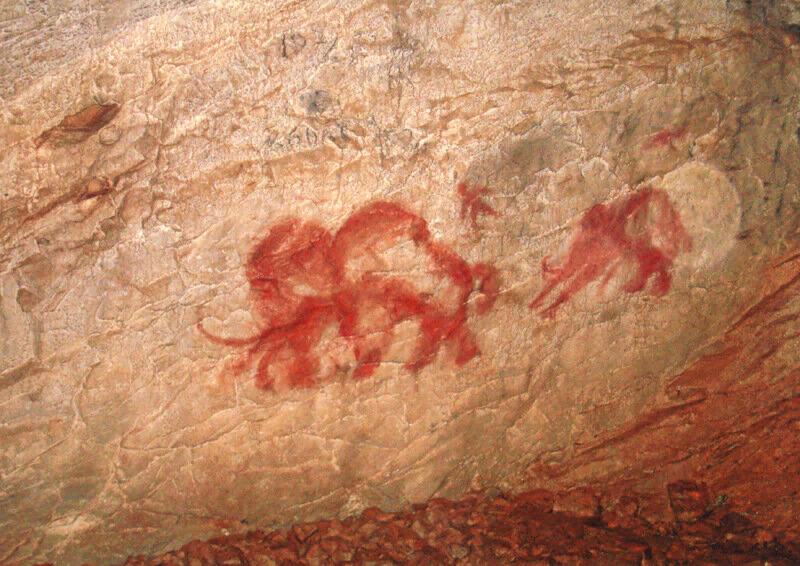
(643, 233)
(665, 138)
(308, 283)
(77, 128)
(472, 203)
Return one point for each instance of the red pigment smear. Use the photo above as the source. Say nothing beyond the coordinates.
(644, 230)
(472, 203)
(301, 286)
(665, 137)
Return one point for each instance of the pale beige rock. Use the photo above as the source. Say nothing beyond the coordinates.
(124, 430)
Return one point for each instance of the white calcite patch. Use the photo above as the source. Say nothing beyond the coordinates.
(710, 209)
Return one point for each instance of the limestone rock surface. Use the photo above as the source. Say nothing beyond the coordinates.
(274, 262)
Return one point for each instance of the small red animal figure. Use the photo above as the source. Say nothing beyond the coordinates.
(665, 137)
(472, 203)
(645, 230)
(307, 283)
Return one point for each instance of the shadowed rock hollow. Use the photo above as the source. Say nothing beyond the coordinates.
(404, 282)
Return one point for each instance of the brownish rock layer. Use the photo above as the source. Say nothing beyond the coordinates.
(492, 528)
(730, 420)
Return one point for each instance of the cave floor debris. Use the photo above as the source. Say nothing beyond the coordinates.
(490, 527)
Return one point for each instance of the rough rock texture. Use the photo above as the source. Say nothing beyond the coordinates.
(745, 515)
(274, 263)
(493, 528)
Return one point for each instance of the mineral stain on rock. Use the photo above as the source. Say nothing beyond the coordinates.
(79, 127)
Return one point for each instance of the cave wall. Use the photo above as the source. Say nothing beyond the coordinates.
(269, 263)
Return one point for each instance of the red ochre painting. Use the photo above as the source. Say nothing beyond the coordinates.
(642, 234)
(665, 137)
(472, 203)
(309, 284)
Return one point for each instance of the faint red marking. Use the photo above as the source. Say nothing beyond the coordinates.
(305, 281)
(665, 137)
(472, 203)
(644, 230)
